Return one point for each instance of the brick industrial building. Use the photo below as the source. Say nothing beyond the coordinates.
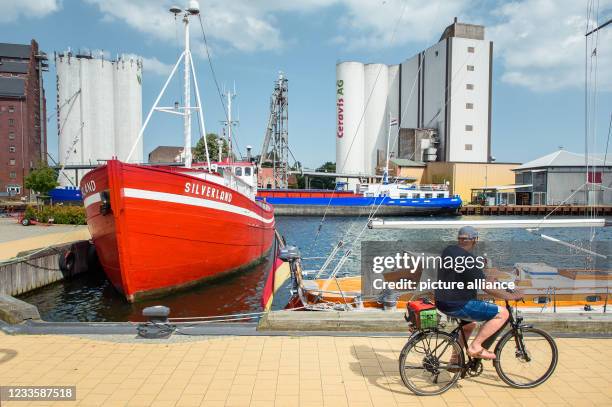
(23, 133)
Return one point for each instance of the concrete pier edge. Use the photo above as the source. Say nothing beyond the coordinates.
(389, 324)
(360, 321)
(14, 311)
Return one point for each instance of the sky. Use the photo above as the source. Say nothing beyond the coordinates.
(538, 65)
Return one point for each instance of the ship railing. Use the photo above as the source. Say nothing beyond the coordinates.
(431, 187)
(237, 184)
(413, 187)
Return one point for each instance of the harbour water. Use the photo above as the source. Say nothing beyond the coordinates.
(92, 298)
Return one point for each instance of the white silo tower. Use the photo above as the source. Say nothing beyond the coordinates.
(99, 109)
(69, 114)
(97, 78)
(375, 120)
(349, 111)
(128, 107)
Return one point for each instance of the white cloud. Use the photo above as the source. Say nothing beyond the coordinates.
(249, 26)
(155, 66)
(11, 10)
(541, 45)
(239, 24)
(371, 24)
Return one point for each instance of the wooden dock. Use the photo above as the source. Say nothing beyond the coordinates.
(536, 210)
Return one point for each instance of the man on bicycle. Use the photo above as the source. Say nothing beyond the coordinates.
(463, 303)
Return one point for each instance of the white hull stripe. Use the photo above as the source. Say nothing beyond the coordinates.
(191, 200)
(92, 199)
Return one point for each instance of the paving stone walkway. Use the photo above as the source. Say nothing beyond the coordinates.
(278, 371)
(15, 238)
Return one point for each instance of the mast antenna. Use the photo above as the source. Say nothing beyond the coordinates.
(229, 123)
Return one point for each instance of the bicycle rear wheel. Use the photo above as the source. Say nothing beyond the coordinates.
(526, 358)
(430, 363)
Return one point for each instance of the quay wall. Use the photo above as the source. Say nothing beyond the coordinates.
(43, 268)
(320, 210)
(536, 210)
(466, 210)
(584, 323)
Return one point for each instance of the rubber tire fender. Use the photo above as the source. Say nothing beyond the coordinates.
(67, 261)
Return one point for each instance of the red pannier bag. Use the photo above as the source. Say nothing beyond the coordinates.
(421, 314)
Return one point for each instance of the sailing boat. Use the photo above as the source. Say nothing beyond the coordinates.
(161, 228)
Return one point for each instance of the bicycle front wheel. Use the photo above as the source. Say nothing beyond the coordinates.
(526, 358)
(430, 363)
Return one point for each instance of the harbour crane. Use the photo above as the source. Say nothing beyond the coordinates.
(275, 149)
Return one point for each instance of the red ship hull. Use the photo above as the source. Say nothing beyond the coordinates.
(159, 229)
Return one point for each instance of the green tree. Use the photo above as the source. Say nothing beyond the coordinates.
(327, 167)
(212, 139)
(42, 179)
(324, 182)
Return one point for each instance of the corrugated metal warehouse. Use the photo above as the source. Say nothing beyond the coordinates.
(561, 177)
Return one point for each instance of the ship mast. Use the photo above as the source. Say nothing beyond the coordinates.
(385, 179)
(187, 95)
(188, 73)
(229, 123)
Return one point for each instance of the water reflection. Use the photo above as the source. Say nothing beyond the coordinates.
(93, 298)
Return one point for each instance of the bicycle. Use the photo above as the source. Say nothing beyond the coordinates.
(436, 359)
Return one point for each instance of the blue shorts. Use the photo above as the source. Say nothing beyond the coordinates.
(475, 310)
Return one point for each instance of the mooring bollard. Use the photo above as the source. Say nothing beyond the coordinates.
(158, 326)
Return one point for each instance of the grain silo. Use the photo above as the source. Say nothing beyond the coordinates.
(349, 110)
(128, 107)
(375, 121)
(99, 109)
(69, 113)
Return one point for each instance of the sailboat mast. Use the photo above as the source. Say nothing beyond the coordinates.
(187, 96)
(386, 172)
(229, 125)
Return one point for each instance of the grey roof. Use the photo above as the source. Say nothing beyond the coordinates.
(13, 67)
(463, 30)
(15, 50)
(563, 158)
(404, 162)
(12, 87)
(504, 187)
